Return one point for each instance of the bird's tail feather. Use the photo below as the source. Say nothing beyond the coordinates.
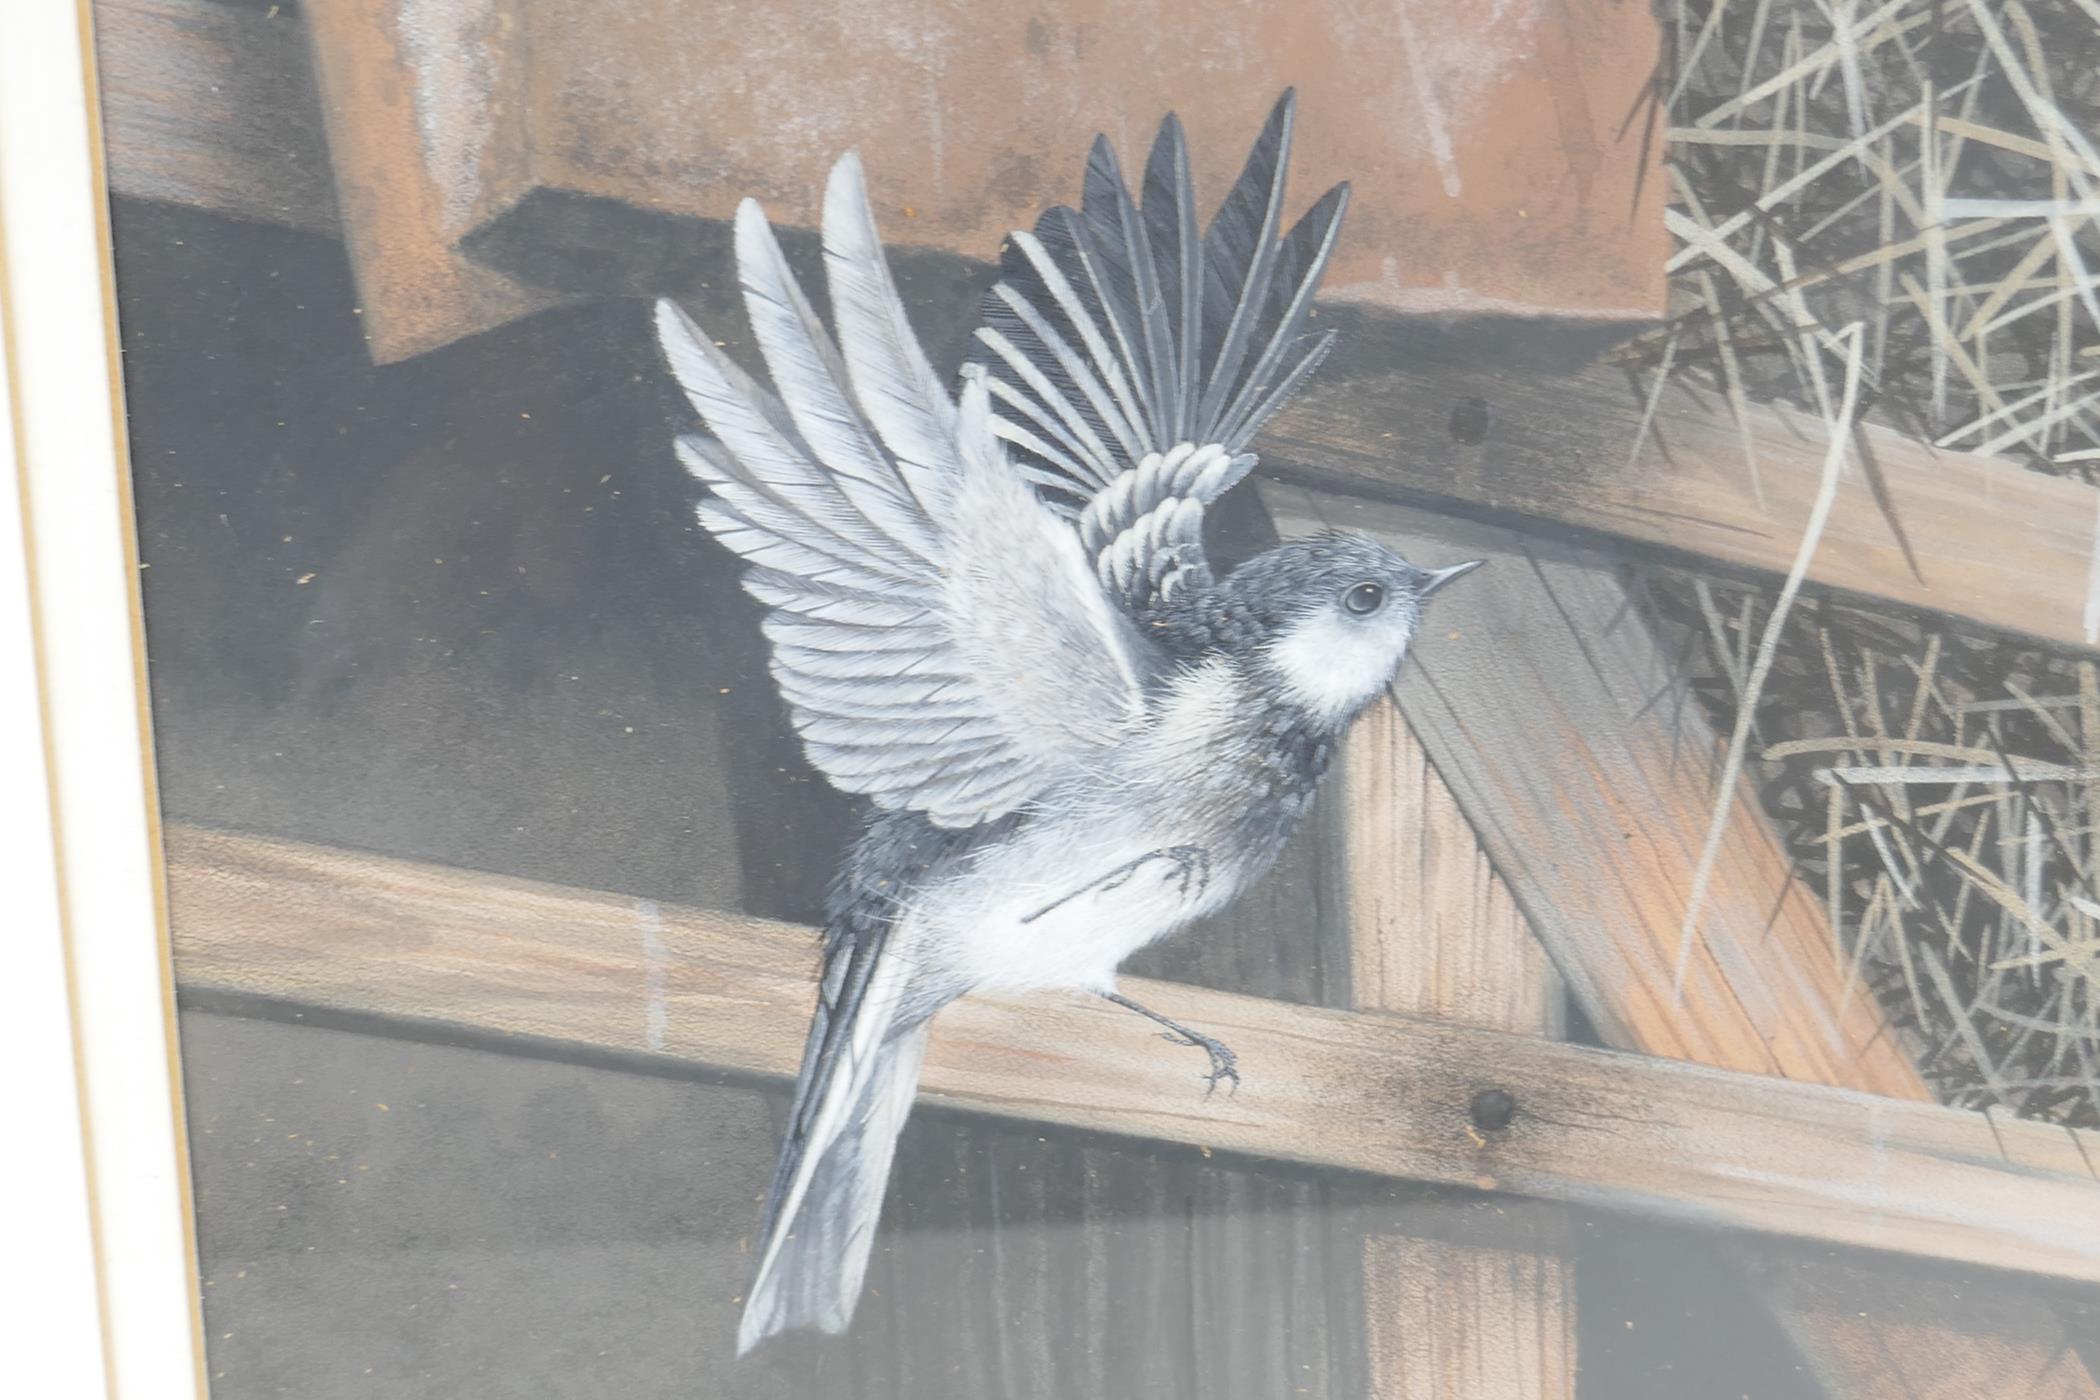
(835, 1164)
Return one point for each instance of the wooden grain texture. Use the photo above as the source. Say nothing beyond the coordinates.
(419, 113)
(1875, 1333)
(445, 119)
(1486, 150)
(1538, 689)
(355, 934)
(210, 105)
(1515, 424)
(1435, 934)
(1539, 693)
(1475, 1320)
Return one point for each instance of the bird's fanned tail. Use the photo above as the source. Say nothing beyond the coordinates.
(860, 1071)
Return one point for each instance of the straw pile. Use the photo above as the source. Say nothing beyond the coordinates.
(1891, 209)
(1926, 168)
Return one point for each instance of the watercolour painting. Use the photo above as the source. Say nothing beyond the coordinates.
(909, 699)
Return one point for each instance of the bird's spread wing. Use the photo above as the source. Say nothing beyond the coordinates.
(936, 630)
(1131, 360)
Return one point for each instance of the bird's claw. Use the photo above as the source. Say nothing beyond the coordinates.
(1223, 1063)
(1192, 864)
(1191, 868)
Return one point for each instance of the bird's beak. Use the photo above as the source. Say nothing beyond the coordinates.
(1439, 577)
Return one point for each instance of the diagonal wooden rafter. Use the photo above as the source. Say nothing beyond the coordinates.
(1557, 717)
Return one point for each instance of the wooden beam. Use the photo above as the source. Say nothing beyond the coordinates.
(1559, 719)
(1434, 934)
(408, 99)
(1433, 930)
(1454, 1309)
(213, 105)
(486, 125)
(459, 951)
(1523, 425)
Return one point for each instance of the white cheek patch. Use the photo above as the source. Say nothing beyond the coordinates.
(1333, 666)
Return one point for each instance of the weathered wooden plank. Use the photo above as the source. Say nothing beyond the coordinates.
(211, 105)
(411, 104)
(214, 106)
(1505, 423)
(1382, 1094)
(1435, 934)
(1491, 1316)
(449, 121)
(1485, 149)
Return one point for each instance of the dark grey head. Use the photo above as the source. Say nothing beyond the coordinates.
(1330, 618)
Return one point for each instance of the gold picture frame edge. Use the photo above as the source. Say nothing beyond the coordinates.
(85, 646)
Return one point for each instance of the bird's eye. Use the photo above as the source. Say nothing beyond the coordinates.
(1364, 599)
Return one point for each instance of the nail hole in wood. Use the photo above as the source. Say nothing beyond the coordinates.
(1492, 1110)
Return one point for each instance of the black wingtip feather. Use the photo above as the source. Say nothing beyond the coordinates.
(1169, 212)
(1206, 324)
(1104, 178)
(1239, 252)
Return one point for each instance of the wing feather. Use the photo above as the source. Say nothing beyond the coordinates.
(786, 629)
(1111, 223)
(1123, 316)
(1303, 254)
(1110, 404)
(1170, 222)
(808, 598)
(888, 370)
(1050, 407)
(1092, 272)
(761, 545)
(940, 639)
(812, 380)
(1239, 248)
(763, 472)
(938, 702)
(831, 695)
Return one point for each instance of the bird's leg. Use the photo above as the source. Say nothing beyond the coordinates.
(1223, 1063)
(1191, 867)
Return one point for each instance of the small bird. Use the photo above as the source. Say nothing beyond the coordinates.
(991, 616)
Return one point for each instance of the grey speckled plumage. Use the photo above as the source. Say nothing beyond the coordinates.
(992, 616)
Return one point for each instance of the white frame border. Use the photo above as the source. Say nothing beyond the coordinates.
(104, 1154)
